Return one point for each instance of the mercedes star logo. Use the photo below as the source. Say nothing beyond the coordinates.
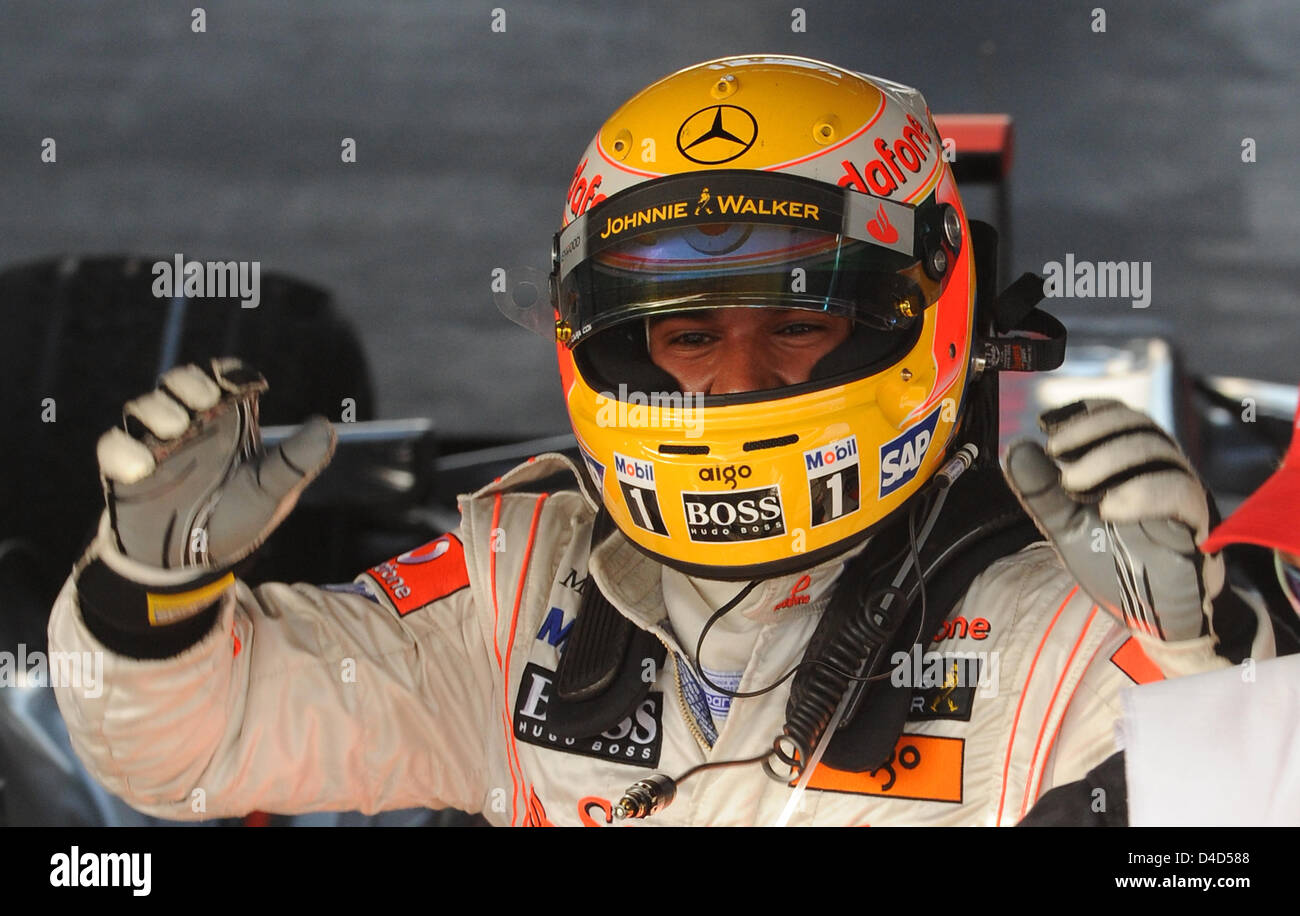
(717, 134)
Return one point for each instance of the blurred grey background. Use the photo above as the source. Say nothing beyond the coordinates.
(226, 144)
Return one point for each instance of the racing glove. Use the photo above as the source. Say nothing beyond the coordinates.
(1124, 510)
(190, 492)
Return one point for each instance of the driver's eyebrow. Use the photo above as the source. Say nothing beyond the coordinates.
(710, 315)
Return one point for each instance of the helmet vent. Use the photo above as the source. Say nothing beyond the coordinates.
(666, 448)
(759, 444)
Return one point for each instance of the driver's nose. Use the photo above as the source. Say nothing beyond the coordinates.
(741, 369)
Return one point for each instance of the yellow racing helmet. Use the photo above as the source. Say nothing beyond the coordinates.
(764, 182)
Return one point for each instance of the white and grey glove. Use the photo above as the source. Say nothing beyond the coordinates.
(190, 492)
(1124, 509)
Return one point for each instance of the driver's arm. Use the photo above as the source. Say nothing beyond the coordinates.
(296, 699)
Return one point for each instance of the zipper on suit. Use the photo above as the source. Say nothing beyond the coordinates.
(681, 700)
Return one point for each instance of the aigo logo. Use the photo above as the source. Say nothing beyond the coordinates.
(901, 457)
(727, 473)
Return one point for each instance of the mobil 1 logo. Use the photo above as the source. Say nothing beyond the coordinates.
(739, 515)
(901, 457)
(637, 481)
(833, 477)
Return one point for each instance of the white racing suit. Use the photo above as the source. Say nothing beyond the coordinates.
(426, 682)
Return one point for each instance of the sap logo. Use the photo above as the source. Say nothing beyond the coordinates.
(553, 629)
(831, 455)
(901, 457)
(633, 471)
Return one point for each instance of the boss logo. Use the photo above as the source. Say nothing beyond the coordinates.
(728, 473)
(636, 740)
(901, 457)
(745, 515)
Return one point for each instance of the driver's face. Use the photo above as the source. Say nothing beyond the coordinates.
(732, 350)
